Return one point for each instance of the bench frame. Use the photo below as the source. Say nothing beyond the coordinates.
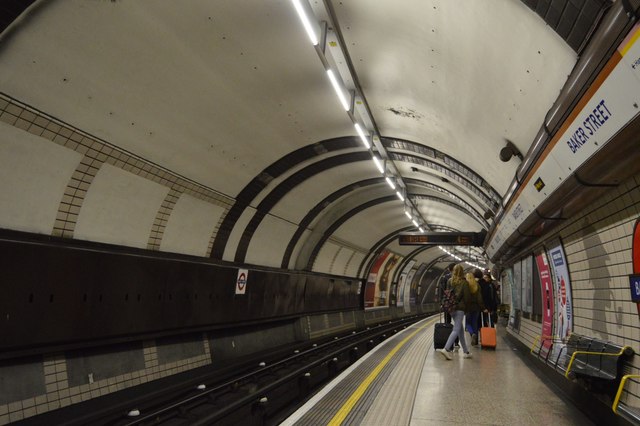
(586, 359)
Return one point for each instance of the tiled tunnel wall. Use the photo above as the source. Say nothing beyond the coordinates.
(37, 385)
(61, 181)
(598, 249)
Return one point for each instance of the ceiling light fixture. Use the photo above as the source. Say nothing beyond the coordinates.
(306, 22)
(320, 26)
(378, 164)
(364, 138)
(390, 182)
(414, 223)
(338, 88)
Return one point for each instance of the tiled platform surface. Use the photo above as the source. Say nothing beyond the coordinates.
(494, 387)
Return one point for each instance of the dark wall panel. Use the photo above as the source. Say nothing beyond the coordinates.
(239, 342)
(103, 363)
(21, 380)
(178, 348)
(63, 294)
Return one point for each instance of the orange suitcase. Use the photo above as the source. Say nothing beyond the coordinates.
(488, 336)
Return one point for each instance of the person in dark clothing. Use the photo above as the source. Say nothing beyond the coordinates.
(442, 286)
(474, 306)
(490, 299)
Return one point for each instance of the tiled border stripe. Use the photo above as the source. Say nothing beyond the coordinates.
(74, 194)
(162, 217)
(96, 152)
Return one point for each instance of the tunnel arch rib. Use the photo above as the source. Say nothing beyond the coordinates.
(479, 189)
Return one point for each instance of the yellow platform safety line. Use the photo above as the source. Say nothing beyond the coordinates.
(616, 401)
(346, 408)
(591, 353)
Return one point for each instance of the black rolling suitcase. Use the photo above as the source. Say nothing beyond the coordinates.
(441, 332)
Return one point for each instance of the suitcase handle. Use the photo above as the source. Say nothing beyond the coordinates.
(489, 315)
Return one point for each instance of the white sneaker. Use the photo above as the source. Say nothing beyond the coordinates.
(456, 348)
(445, 353)
(467, 355)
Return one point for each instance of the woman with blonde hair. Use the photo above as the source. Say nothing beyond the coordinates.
(462, 293)
(473, 308)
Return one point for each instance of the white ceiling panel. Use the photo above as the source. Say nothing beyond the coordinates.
(214, 89)
(217, 92)
(460, 76)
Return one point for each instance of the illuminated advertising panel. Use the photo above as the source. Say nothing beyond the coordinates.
(562, 292)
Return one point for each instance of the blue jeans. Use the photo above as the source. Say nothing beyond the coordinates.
(471, 322)
(457, 332)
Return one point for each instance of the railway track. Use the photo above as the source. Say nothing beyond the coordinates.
(264, 394)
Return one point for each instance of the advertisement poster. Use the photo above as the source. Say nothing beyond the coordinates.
(508, 282)
(400, 289)
(370, 288)
(381, 296)
(417, 290)
(516, 285)
(546, 288)
(409, 292)
(527, 284)
(403, 284)
(562, 292)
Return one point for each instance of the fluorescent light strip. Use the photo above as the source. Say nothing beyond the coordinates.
(420, 229)
(390, 182)
(408, 215)
(378, 164)
(338, 89)
(414, 223)
(365, 141)
(306, 22)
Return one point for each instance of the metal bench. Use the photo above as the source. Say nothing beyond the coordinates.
(596, 364)
(594, 358)
(629, 413)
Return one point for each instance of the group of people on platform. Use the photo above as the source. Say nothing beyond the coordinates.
(478, 299)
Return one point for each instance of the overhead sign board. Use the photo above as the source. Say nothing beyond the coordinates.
(441, 238)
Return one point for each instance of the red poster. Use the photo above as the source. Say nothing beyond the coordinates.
(636, 248)
(635, 253)
(546, 287)
(370, 289)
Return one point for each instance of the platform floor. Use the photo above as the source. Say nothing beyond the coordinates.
(405, 382)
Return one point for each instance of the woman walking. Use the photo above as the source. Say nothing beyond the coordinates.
(473, 308)
(460, 287)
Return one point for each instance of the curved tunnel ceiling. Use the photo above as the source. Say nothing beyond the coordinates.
(232, 97)
(284, 187)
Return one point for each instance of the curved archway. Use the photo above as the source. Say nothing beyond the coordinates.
(279, 168)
